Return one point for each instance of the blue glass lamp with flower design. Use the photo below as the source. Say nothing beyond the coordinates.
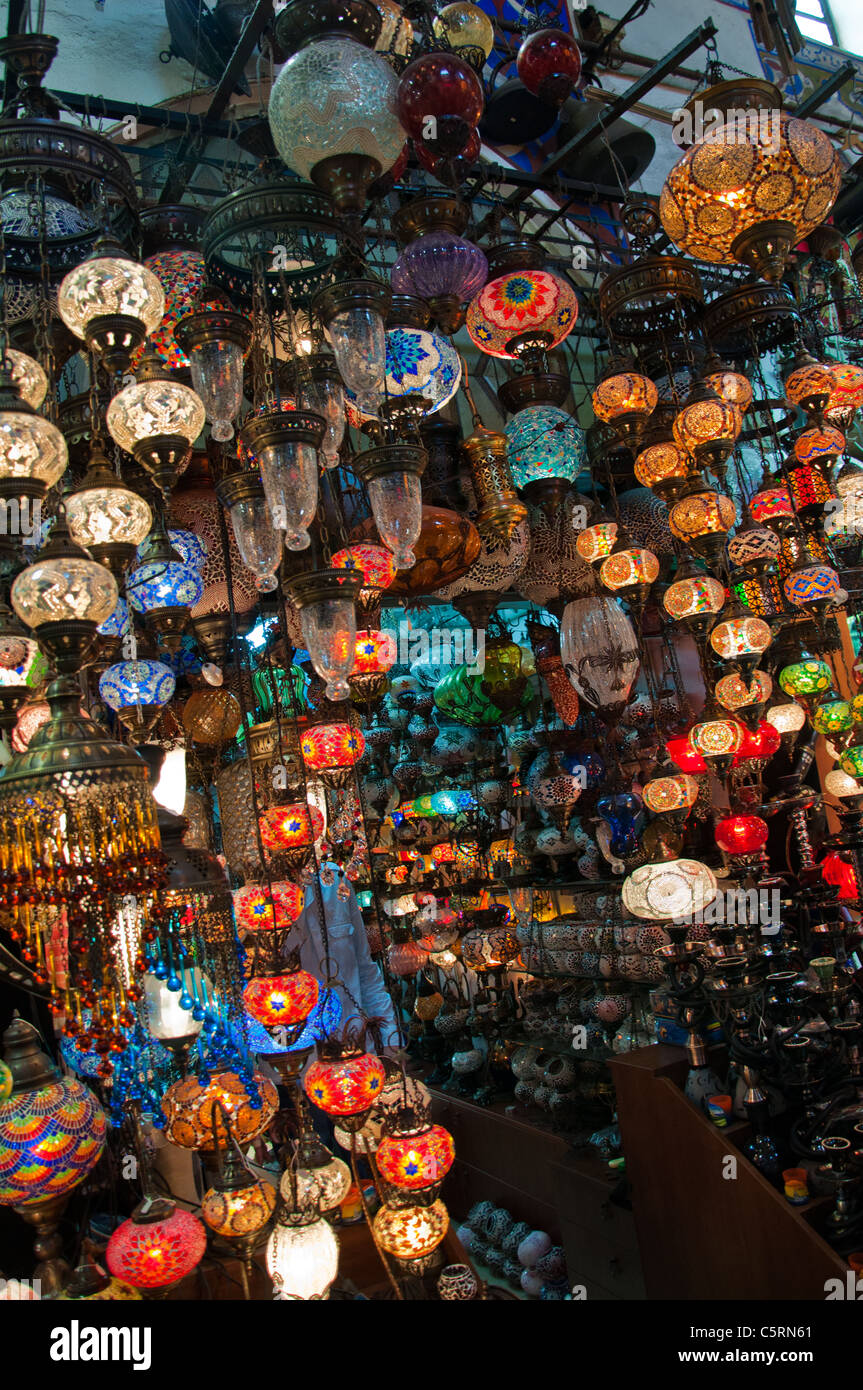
(137, 691)
(423, 373)
(164, 587)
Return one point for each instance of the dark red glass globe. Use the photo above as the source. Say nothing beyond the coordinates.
(451, 170)
(684, 756)
(387, 182)
(762, 742)
(549, 65)
(741, 834)
(440, 101)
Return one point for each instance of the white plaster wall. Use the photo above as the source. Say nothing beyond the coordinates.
(114, 52)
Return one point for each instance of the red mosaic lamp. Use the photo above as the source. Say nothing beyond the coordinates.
(415, 1156)
(331, 752)
(344, 1081)
(290, 831)
(157, 1247)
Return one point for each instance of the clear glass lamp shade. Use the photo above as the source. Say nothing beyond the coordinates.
(397, 509)
(787, 719)
(258, 540)
(160, 584)
(335, 97)
(170, 1012)
(28, 376)
(217, 376)
(105, 515)
(63, 589)
(330, 633)
(327, 399)
(359, 341)
(675, 888)
(302, 1261)
(137, 683)
(31, 447)
(289, 472)
(110, 285)
(325, 1185)
(153, 408)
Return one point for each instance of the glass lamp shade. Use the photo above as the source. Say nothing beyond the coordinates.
(439, 264)
(325, 1184)
(627, 569)
(847, 390)
(819, 442)
(522, 307)
(327, 603)
(489, 948)
(451, 802)
(738, 692)
(772, 507)
(174, 1013)
(110, 285)
(676, 793)
(704, 422)
(716, 739)
(216, 342)
(27, 376)
(182, 275)
(761, 594)
(739, 197)
(600, 652)
(334, 98)
(150, 409)
(673, 889)
(64, 589)
(374, 654)
(549, 65)
(109, 515)
(468, 31)
(423, 366)
(443, 87)
(416, 1158)
(151, 1254)
(753, 547)
(741, 834)
(376, 565)
(195, 1112)
(700, 519)
(788, 718)
(684, 756)
(694, 597)
(809, 489)
(132, 683)
(161, 584)
(31, 450)
(302, 1259)
(740, 636)
(392, 478)
(849, 483)
(21, 662)
(544, 442)
(624, 394)
(190, 548)
(50, 1139)
(324, 395)
(287, 450)
(808, 677)
(281, 1001)
(410, 1233)
(810, 385)
(833, 717)
(296, 826)
(595, 542)
(346, 1085)
(663, 467)
(329, 751)
(242, 1211)
(851, 762)
(809, 586)
(838, 783)
(258, 538)
(732, 387)
(758, 746)
(358, 339)
(262, 907)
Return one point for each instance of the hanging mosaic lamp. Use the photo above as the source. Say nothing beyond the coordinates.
(344, 1081)
(112, 303)
(377, 568)
(137, 691)
(600, 654)
(374, 656)
(199, 1115)
(331, 752)
(290, 831)
(157, 420)
(624, 398)
(157, 1246)
(415, 1157)
(33, 452)
(706, 428)
(806, 677)
(109, 519)
(694, 598)
(524, 311)
(546, 452)
(286, 446)
(702, 519)
(717, 741)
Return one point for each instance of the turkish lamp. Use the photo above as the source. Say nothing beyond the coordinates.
(258, 538)
(286, 446)
(787, 718)
(740, 637)
(33, 452)
(391, 474)
(323, 393)
(841, 785)
(466, 31)
(744, 695)
(63, 597)
(164, 587)
(22, 667)
(598, 540)
(112, 302)
(27, 377)
(319, 1177)
(107, 517)
(216, 342)
(702, 518)
(500, 509)
(664, 467)
(730, 386)
(706, 428)
(810, 384)
(353, 314)
(302, 1254)
(629, 570)
(717, 740)
(326, 600)
(156, 420)
(849, 481)
(177, 1007)
(625, 399)
(694, 598)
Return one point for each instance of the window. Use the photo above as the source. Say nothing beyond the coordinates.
(814, 22)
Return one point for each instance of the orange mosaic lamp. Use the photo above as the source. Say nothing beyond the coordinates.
(196, 1114)
(282, 1002)
(625, 399)
(415, 1157)
(345, 1081)
(331, 751)
(663, 467)
(290, 832)
(374, 656)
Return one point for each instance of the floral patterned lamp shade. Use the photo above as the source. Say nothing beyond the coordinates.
(736, 637)
(833, 716)
(281, 1001)
(149, 409)
(320, 1178)
(411, 1233)
(346, 1086)
(330, 751)
(335, 98)
(717, 740)
(132, 683)
(664, 467)
(702, 519)
(676, 888)
(423, 366)
(195, 1113)
(110, 285)
(676, 793)
(416, 1158)
(595, 542)
(241, 1211)
(152, 1253)
(27, 376)
(628, 568)
(694, 597)
(164, 584)
(731, 199)
(264, 907)
(808, 677)
(738, 691)
(519, 306)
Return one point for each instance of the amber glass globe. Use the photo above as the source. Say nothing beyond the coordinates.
(625, 400)
(730, 386)
(701, 519)
(663, 467)
(705, 422)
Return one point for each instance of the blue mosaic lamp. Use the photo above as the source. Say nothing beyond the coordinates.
(164, 587)
(452, 802)
(137, 691)
(546, 452)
